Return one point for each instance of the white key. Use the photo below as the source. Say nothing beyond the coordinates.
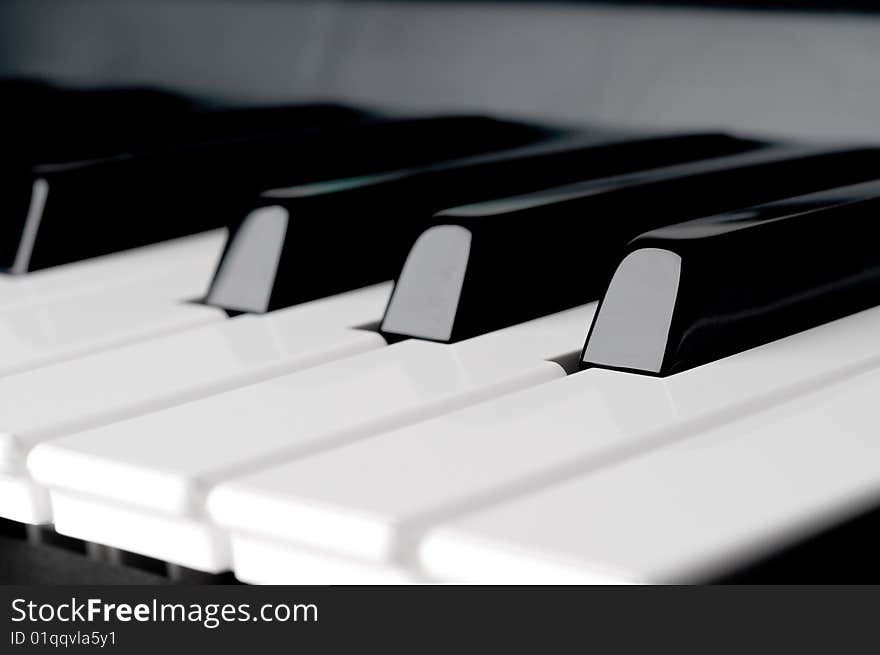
(35, 335)
(264, 562)
(189, 260)
(162, 464)
(688, 512)
(53, 401)
(386, 491)
(145, 298)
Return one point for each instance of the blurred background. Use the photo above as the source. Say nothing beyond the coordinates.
(784, 68)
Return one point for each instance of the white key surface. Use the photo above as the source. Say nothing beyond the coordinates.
(35, 335)
(108, 386)
(698, 508)
(374, 499)
(272, 563)
(190, 260)
(165, 461)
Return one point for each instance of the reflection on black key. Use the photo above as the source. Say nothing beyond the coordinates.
(695, 292)
(494, 264)
(87, 209)
(312, 241)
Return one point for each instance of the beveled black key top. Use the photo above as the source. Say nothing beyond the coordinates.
(494, 264)
(317, 240)
(82, 210)
(691, 293)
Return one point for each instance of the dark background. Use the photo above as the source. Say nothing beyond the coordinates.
(782, 68)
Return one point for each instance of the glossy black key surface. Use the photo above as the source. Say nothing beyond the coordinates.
(494, 264)
(692, 293)
(313, 241)
(80, 210)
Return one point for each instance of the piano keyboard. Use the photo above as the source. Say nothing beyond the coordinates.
(324, 345)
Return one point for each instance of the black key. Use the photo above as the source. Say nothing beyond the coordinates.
(41, 123)
(490, 265)
(692, 293)
(82, 210)
(217, 123)
(316, 240)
